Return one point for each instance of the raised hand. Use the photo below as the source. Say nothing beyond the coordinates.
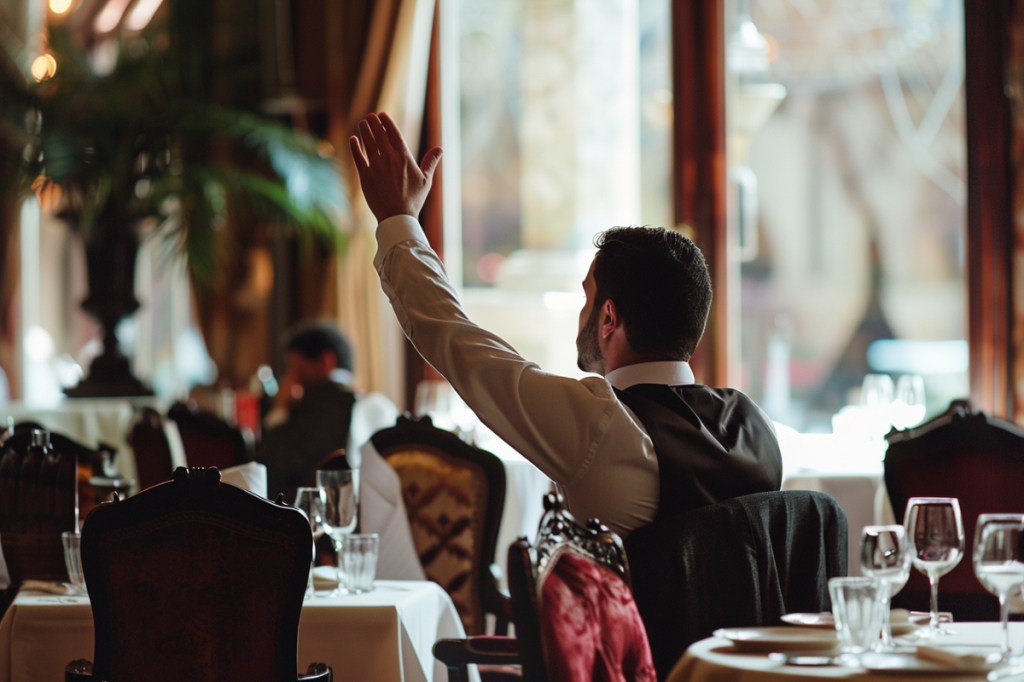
(393, 183)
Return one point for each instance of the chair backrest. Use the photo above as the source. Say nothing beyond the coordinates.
(572, 606)
(194, 580)
(970, 456)
(745, 561)
(38, 501)
(208, 440)
(454, 494)
(148, 439)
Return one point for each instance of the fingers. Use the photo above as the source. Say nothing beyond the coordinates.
(358, 154)
(371, 144)
(390, 129)
(430, 160)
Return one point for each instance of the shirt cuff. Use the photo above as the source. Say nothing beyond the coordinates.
(395, 230)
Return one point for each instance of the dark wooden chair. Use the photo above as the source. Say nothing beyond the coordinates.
(454, 494)
(979, 460)
(208, 440)
(152, 450)
(232, 614)
(572, 606)
(740, 562)
(38, 501)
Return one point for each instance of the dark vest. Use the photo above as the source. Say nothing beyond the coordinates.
(712, 444)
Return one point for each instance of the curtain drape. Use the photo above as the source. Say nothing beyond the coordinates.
(389, 74)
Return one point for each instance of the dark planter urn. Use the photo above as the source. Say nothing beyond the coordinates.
(110, 253)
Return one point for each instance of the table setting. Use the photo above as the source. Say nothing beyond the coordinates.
(863, 638)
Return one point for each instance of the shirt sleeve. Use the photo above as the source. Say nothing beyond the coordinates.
(561, 424)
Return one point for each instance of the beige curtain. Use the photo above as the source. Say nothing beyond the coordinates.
(391, 75)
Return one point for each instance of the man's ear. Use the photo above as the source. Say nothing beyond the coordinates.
(609, 320)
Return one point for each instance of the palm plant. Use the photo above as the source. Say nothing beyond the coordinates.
(144, 142)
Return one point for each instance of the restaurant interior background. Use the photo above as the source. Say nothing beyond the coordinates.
(856, 199)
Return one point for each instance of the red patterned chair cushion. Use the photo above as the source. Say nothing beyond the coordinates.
(590, 626)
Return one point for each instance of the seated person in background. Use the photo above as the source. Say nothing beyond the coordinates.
(316, 412)
(639, 440)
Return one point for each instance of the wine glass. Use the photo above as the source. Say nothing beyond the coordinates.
(340, 507)
(909, 403)
(311, 502)
(935, 533)
(998, 563)
(884, 557)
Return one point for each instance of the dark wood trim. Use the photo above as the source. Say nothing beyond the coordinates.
(699, 160)
(990, 233)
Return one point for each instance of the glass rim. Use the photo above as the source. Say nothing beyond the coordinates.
(850, 580)
(883, 527)
(1004, 517)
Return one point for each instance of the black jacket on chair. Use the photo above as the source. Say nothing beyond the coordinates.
(741, 562)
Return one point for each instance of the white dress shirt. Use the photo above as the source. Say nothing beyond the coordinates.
(574, 430)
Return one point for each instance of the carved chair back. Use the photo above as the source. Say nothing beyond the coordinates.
(979, 460)
(194, 580)
(572, 603)
(208, 440)
(454, 494)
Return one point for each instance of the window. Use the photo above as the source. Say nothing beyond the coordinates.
(847, 207)
(846, 154)
(564, 130)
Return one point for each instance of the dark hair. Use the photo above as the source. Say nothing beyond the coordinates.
(311, 340)
(660, 285)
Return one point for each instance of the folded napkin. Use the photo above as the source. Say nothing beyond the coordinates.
(950, 659)
(325, 578)
(251, 476)
(917, 617)
(47, 586)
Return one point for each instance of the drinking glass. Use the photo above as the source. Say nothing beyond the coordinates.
(855, 610)
(884, 558)
(342, 501)
(72, 541)
(998, 563)
(312, 501)
(935, 532)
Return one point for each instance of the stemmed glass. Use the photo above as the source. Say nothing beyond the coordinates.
(884, 557)
(998, 563)
(311, 502)
(340, 508)
(909, 402)
(935, 532)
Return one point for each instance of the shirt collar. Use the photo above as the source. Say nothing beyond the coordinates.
(668, 372)
(341, 376)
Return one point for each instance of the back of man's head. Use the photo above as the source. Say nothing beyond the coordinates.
(660, 285)
(311, 340)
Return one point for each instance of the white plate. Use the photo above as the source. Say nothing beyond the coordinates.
(909, 664)
(825, 621)
(782, 638)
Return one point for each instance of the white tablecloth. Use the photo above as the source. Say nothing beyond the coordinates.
(94, 420)
(384, 635)
(715, 660)
(525, 487)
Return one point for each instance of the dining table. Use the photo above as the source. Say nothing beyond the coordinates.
(796, 655)
(385, 635)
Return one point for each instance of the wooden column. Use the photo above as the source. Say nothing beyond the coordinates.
(990, 182)
(698, 55)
